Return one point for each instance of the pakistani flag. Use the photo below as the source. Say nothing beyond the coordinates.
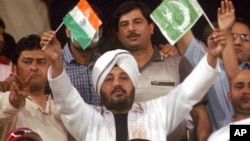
(83, 23)
(175, 17)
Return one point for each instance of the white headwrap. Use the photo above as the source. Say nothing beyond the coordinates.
(108, 60)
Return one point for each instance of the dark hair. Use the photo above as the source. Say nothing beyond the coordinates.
(241, 20)
(129, 6)
(31, 42)
(2, 23)
(9, 46)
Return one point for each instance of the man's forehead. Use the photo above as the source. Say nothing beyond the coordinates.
(241, 27)
(35, 54)
(243, 75)
(131, 15)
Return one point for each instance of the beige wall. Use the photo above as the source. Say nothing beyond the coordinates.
(24, 17)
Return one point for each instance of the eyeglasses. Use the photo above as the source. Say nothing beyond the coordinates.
(18, 133)
(243, 37)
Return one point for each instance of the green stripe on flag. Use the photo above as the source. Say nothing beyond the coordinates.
(78, 33)
(175, 17)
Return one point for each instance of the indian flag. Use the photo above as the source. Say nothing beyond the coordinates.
(83, 23)
(175, 17)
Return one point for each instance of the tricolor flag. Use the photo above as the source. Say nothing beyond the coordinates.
(175, 17)
(83, 23)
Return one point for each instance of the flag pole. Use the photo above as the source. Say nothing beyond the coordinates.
(57, 29)
(59, 26)
(205, 15)
(209, 22)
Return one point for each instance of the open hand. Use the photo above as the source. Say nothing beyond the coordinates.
(216, 42)
(226, 14)
(51, 46)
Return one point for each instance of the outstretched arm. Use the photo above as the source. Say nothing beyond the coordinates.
(226, 19)
(221, 38)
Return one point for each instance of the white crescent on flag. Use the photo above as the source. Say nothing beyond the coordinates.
(186, 16)
(175, 17)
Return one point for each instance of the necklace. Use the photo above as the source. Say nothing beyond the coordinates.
(38, 107)
(49, 107)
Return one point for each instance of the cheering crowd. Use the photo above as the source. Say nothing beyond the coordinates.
(136, 91)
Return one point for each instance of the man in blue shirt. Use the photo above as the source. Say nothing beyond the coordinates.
(78, 64)
(220, 109)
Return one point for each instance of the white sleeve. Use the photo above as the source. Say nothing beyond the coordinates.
(75, 113)
(7, 111)
(177, 104)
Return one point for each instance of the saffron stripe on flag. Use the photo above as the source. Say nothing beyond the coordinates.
(85, 8)
(83, 22)
(79, 25)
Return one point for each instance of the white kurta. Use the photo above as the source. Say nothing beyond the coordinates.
(151, 120)
(49, 127)
(223, 133)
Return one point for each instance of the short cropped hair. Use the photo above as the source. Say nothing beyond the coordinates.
(129, 6)
(31, 42)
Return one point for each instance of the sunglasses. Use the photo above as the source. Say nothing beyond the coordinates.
(19, 132)
(243, 37)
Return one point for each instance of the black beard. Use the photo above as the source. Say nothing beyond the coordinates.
(119, 105)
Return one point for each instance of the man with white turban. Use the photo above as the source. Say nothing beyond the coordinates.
(115, 76)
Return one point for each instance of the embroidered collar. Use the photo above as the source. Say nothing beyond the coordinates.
(135, 107)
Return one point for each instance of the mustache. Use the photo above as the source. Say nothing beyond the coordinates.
(119, 89)
(133, 34)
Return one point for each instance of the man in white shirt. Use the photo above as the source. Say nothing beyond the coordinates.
(115, 76)
(26, 104)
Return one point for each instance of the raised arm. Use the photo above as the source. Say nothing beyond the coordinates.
(191, 48)
(226, 19)
(52, 48)
(184, 42)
